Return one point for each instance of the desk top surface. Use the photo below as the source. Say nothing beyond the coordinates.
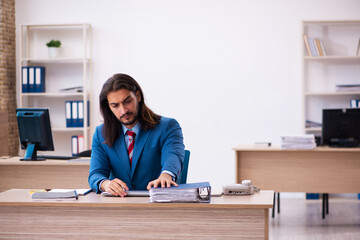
(252, 148)
(22, 197)
(16, 161)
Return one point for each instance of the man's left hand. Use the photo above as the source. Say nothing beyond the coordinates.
(164, 180)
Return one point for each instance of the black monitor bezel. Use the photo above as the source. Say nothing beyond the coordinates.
(46, 141)
(336, 132)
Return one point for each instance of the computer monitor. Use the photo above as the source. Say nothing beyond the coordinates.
(34, 131)
(341, 127)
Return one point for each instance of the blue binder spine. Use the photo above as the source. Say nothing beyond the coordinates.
(31, 79)
(74, 114)
(81, 113)
(88, 113)
(25, 79)
(74, 146)
(353, 103)
(39, 79)
(68, 113)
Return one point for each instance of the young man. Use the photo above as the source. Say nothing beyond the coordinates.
(134, 148)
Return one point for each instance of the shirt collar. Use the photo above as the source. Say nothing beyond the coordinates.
(135, 129)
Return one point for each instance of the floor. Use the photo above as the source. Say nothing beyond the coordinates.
(302, 219)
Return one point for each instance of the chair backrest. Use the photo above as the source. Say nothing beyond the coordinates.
(183, 176)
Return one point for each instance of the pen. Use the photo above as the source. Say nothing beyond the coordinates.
(88, 191)
(76, 195)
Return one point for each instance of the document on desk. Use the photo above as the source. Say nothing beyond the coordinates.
(190, 192)
(80, 191)
(69, 195)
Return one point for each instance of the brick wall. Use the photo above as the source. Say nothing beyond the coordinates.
(8, 72)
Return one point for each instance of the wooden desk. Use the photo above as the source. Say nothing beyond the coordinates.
(96, 217)
(43, 174)
(321, 170)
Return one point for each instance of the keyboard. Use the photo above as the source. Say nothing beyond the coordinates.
(56, 157)
(130, 193)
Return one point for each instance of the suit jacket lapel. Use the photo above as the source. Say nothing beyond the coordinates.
(121, 150)
(140, 141)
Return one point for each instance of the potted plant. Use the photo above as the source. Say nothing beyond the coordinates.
(54, 46)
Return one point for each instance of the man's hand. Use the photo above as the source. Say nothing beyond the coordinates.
(164, 180)
(115, 187)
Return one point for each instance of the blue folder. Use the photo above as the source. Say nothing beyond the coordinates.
(39, 79)
(25, 79)
(68, 113)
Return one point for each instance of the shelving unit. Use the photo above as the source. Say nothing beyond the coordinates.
(321, 74)
(72, 68)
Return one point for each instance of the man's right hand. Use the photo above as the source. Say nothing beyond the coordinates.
(115, 187)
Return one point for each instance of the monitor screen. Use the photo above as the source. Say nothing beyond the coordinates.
(341, 127)
(34, 131)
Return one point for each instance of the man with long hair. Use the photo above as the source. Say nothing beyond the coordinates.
(134, 148)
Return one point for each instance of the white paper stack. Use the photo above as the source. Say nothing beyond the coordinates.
(306, 141)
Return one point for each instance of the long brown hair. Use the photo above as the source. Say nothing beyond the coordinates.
(112, 126)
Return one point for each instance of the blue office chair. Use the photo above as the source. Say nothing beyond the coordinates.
(183, 176)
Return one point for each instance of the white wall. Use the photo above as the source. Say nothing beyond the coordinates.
(228, 71)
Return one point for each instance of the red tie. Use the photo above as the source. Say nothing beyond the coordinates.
(131, 135)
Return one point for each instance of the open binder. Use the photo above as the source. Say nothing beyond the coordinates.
(190, 192)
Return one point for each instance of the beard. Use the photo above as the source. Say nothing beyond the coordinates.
(128, 119)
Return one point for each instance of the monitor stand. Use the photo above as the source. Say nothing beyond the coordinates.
(31, 153)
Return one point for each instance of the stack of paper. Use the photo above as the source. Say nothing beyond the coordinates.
(191, 192)
(306, 141)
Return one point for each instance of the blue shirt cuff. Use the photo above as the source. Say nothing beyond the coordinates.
(100, 184)
(170, 173)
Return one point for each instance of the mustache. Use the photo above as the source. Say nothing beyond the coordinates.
(126, 114)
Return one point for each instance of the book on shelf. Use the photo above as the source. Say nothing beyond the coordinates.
(347, 87)
(191, 192)
(322, 48)
(307, 45)
(314, 47)
(318, 46)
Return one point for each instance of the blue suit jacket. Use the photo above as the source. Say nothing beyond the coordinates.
(155, 150)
